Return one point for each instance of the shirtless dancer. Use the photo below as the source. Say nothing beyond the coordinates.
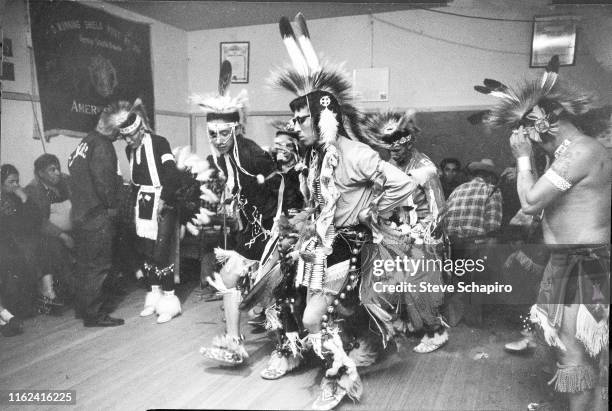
(574, 196)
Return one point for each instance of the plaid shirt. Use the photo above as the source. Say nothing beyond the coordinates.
(471, 210)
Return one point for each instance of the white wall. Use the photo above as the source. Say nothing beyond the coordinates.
(169, 61)
(433, 64)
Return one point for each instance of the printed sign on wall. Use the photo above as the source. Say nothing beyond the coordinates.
(86, 59)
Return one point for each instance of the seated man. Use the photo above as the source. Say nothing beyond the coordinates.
(49, 191)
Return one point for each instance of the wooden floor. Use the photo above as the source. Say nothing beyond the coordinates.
(143, 365)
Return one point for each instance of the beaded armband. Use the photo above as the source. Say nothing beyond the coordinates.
(558, 181)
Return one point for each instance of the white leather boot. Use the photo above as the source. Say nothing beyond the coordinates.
(151, 301)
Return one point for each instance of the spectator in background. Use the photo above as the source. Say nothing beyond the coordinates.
(474, 209)
(472, 218)
(95, 184)
(451, 175)
(19, 228)
(49, 192)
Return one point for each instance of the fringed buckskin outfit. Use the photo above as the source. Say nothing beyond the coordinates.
(347, 187)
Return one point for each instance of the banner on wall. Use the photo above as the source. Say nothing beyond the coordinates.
(86, 59)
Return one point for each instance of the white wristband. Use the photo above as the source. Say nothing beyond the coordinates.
(523, 163)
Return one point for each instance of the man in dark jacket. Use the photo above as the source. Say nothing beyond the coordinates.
(94, 185)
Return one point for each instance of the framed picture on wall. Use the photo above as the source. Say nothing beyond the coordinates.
(553, 35)
(237, 53)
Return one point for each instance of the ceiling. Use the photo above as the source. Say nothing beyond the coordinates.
(203, 15)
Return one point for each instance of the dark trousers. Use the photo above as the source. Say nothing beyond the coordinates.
(469, 306)
(159, 253)
(94, 260)
(57, 259)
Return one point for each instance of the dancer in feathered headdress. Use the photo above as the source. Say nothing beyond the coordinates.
(252, 191)
(343, 204)
(158, 193)
(289, 162)
(418, 219)
(574, 196)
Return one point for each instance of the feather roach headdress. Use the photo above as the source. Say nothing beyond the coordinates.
(321, 86)
(123, 117)
(535, 105)
(226, 112)
(220, 105)
(389, 128)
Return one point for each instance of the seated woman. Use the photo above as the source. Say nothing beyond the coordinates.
(19, 244)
